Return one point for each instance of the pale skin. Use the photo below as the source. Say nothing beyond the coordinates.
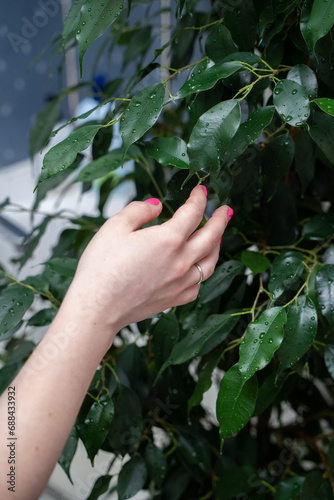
(125, 275)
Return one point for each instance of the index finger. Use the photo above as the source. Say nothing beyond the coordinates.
(187, 218)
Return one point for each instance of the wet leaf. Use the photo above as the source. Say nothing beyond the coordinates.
(285, 272)
(141, 114)
(319, 228)
(68, 452)
(324, 286)
(94, 430)
(300, 332)
(327, 105)
(156, 463)
(263, 338)
(71, 22)
(207, 78)
(190, 346)
(248, 132)
(292, 102)
(15, 300)
(304, 76)
(43, 317)
(165, 335)
(169, 151)
(321, 20)
(95, 18)
(289, 489)
(63, 154)
(132, 478)
(64, 266)
(220, 281)
(235, 402)
(321, 130)
(219, 43)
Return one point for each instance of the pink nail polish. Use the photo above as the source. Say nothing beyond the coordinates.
(205, 190)
(230, 214)
(153, 201)
(220, 240)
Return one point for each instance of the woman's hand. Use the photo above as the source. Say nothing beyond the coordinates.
(127, 274)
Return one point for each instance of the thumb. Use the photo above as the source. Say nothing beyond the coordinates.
(139, 213)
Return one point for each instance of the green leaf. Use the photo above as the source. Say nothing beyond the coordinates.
(305, 77)
(63, 154)
(236, 483)
(190, 346)
(248, 132)
(194, 450)
(169, 151)
(255, 261)
(71, 22)
(64, 266)
(141, 114)
(327, 105)
(329, 359)
(95, 18)
(125, 429)
(285, 272)
(277, 158)
(289, 488)
(156, 464)
(292, 102)
(212, 134)
(68, 452)
(304, 158)
(324, 286)
(43, 126)
(321, 20)
(225, 328)
(235, 402)
(55, 180)
(7, 374)
(132, 478)
(95, 428)
(219, 43)
(315, 487)
(207, 79)
(15, 300)
(268, 391)
(300, 332)
(33, 240)
(101, 486)
(165, 334)
(204, 380)
(101, 167)
(43, 317)
(322, 130)
(220, 281)
(263, 338)
(319, 228)
(241, 20)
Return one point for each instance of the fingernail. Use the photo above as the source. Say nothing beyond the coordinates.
(205, 190)
(230, 214)
(220, 240)
(153, 201)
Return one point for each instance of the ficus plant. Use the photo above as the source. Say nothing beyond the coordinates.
(246, 108)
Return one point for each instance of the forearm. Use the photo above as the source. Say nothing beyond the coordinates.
(49, 392)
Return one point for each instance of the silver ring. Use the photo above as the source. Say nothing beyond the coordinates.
(201, 273)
